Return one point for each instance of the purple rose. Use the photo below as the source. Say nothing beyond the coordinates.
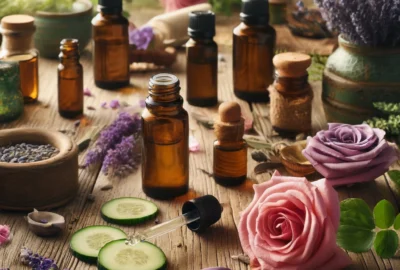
(141, 37)
(347, 154)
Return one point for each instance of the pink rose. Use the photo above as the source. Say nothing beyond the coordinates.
(5, 234)
(291, 224)
(347, 154)
(172, 5)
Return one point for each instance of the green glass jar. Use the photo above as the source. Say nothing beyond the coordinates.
(11, 100)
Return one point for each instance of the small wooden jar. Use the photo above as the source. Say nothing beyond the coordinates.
(44, 184)
(291, 94)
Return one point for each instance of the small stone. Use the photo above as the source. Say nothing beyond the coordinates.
(179, 245)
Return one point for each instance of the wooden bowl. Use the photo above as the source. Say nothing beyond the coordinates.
(52, 27)
(294, 161)
(44, 184)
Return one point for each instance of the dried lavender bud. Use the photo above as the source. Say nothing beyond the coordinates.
(26, 153)
(371, 23)
(259, 156)
(124, 125)
(37, 262)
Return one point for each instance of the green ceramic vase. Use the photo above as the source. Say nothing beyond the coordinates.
(53, 27)
(357, 76)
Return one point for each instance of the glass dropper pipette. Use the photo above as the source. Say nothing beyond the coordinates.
(198, 214)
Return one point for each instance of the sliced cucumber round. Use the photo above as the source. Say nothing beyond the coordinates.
(87, 242)
(128, 211)
(117, 255)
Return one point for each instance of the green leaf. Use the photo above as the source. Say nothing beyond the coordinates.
(397, 222)
(354, 239)
(395, 176)
(386, 243)
(356, 212)
(355, 232)
(257, 142)
(384, 214)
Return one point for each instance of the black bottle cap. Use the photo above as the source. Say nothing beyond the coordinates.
(110, 3)
(255, 12)
(209, 210)
(201, 24)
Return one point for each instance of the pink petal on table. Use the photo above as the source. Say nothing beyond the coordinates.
(194, 145)
(87, 92)
(5, 235)
(103, 105)
(142, 103)
(248, 124)
(114, 104)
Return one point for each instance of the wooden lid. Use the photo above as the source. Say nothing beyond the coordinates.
(292, 64)
(229, 112)
(18, 23)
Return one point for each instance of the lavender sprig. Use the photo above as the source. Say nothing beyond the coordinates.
(364, 22)
(36, 261)
(123, 159)
(124, 125)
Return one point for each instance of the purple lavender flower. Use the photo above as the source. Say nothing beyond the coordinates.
(141, 37)
(103, 105)
(364, 22)
(114, 104)
(36, 261)
(123, 159)
(125, 125)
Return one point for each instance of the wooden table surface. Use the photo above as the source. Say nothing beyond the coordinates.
(184, 249)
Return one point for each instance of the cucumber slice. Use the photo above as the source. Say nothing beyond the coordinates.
(117, 255)
(128, 211)
(87, 242)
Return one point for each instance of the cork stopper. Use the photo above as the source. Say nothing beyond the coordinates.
(229, 126)
(17, 32)
(292, 64)
(17, 23)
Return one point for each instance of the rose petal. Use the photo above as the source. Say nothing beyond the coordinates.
(194, 145)
(114, 104)
(5, 234)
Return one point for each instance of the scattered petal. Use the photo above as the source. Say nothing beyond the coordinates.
(114, 104)
(87, 92)
(5, 234)
(142, 103)
(77, 123)
(194, 145)
(103, 105)
(248, 124)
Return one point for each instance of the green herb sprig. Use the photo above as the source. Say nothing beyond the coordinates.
(360, 228)
(389, 123)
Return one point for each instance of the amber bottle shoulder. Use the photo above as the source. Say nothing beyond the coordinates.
(250, 30)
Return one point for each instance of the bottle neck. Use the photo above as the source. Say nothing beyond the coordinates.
(164, 93)
(16, 42)
(110, 11)
(291, 84)
(204, 40)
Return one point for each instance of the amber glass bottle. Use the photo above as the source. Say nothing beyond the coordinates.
(111, 46)
(253, 50)
(17, 46)
(202, 60)
(70, 80)
(291, 95)
(165, 130)
(230, 150)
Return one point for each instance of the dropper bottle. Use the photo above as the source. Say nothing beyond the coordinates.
(198, 214)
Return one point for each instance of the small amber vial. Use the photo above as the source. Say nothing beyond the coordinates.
(70, 80)
(17, 46)
(165, 130)
(253, 50)
(230, 150)
(291, 95)
(202, 60)
(111, 46)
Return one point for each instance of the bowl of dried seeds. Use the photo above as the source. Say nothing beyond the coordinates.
(38, 169)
